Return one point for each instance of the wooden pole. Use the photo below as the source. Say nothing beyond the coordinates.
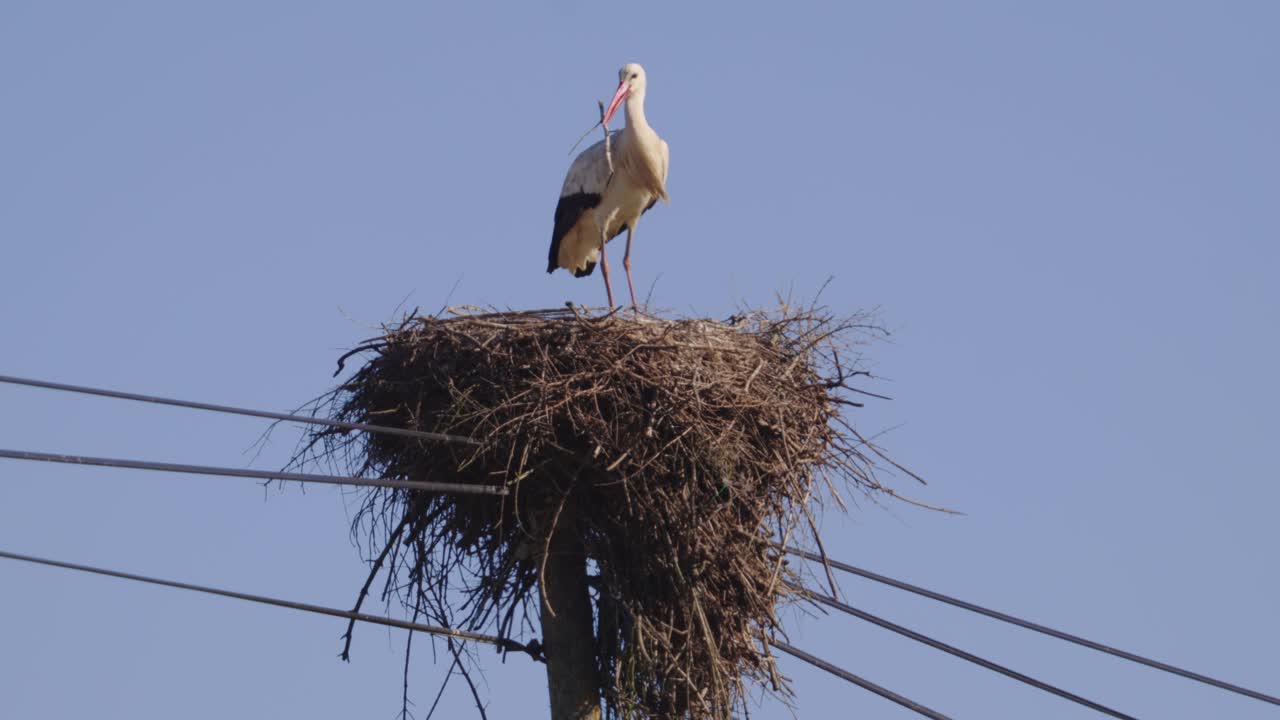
(568, 636)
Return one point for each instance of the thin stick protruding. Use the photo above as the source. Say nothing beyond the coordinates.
(608, 151)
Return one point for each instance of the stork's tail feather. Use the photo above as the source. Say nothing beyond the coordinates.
(552, 263)
(585, 271)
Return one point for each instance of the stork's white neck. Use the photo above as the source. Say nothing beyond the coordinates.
(635, 111)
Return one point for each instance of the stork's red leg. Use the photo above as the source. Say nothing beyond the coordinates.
(604, 269)
(626, 265)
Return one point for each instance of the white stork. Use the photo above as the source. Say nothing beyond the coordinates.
(596, 206)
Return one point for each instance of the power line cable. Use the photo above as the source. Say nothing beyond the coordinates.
(859, 681)
(939, 645)
(84, 390)
(459, 488)
(932, 595)
(534, 649)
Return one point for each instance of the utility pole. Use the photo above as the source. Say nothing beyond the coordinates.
(568, 636)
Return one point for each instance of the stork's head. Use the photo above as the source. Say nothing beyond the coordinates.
(630, 83)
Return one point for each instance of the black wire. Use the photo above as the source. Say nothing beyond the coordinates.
(859, 681)
(237, 410)
(533, 649)
(849, 609)
(1033, 626)
(462, 488)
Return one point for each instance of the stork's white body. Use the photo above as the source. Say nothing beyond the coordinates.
(595, 205)
(598, 205)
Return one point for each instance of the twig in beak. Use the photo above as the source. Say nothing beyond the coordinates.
(608, 155)
(608, 152)
(584, 135)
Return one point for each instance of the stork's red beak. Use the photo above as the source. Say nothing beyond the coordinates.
(618, 96)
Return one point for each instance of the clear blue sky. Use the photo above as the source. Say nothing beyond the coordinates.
(1067, 212)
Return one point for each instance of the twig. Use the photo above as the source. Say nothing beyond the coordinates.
(817, 539)
(760, 366)
(364, 591)
(917, 503)
(584, 135)
(546, 551)
(649, 296)
(443, 685)
(408, 650)
(475, 694)
(608, 154)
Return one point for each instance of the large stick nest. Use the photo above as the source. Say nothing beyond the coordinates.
(678, 452)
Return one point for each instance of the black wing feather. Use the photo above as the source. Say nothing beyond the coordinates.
(568, 211)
